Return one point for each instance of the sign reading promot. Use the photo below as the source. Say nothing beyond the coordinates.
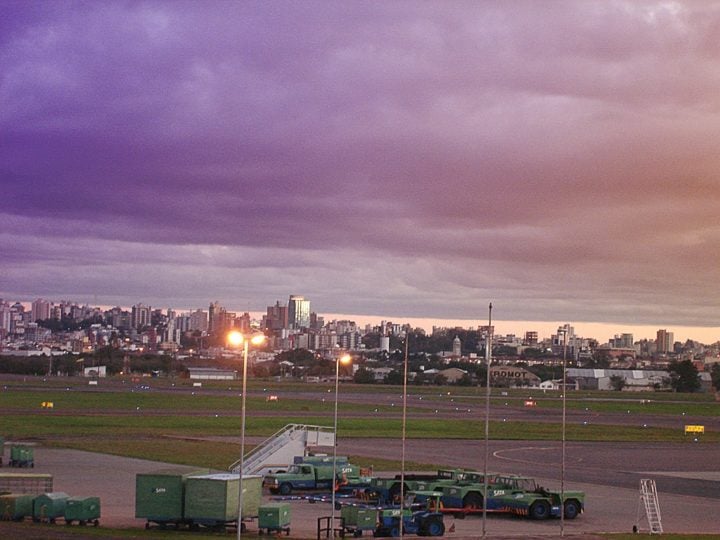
(514, 375)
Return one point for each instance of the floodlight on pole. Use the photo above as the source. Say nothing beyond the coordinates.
(345, 359)
(235, 339)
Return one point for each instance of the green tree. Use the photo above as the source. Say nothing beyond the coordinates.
(394, 377)
(465, 380)
(440, 379)
(299, 357)
(600, 360)
(684, 376)
(715, 374)
(364, 376)
(617, 382)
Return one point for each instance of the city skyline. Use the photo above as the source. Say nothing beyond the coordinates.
(600, 331)
(399, 160)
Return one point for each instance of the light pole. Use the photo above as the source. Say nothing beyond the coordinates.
(345, 359)
(488, 360)
(565, 330)
(236, 339)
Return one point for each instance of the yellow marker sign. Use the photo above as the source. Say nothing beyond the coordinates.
(47, 404)
(694, 429)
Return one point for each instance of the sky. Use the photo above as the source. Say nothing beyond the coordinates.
(384, 159)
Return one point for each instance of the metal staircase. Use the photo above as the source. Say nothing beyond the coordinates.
(279, 450)
(649, 501)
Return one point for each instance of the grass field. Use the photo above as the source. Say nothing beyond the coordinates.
(171, 421)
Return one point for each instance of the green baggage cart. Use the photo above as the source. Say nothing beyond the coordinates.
(16, 506)
(274, 517)
(84, 510)
(49, 506)
(356, 519)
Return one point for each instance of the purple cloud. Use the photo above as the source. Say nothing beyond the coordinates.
(402, 157)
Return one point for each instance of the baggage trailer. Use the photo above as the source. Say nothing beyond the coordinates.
(16, 506)
(84, 510)
(211, 500)
(274, 518)
(22, 456)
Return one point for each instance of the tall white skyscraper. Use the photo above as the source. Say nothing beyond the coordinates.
(298, 312)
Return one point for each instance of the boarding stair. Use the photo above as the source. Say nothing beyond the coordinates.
(650, 504)
(279, 450)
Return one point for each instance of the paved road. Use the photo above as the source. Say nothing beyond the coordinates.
(612, 501)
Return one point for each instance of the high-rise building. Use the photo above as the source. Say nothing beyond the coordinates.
(212, 314)
(665, 341)
(199, 320)
(140, 316)
(298, 312)
(40, 310)
(276, 317)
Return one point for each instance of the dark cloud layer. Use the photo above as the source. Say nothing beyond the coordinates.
(407, 158)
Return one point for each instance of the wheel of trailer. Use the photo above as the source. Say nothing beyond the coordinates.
(285, 488)
(434, 527)
(395, 531)
(473, 500)
(572, 509)
(540, 510)
(96, 523)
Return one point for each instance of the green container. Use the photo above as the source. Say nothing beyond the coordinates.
(160, 495)
(82, 509)
(213, 498)
(357, 518)
(16, 506)
(49, 506)
(22, 456)
(274, 516)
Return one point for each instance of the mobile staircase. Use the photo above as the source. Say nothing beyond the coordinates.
(649, 502)
(279, 450)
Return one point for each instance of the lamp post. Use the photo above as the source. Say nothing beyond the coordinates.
(565, 330)
(345, 359)
(236, 339)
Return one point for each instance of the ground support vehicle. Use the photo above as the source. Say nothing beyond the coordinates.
(160, 496)
(211, 500)
(48, 507)
(543, 504)
(358, 519)
(312, 477)
(274, 518)
(421, 519)
(512, 494)
(384, 491)
(21, 456)
(84, 510)
(16, 506)
(463, 489)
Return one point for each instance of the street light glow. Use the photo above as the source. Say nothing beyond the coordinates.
(257, 339)
(345, 359)
(235, 338)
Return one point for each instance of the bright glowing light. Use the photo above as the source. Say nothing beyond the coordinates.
(345, 359)
(258, 339)
(235, 338)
